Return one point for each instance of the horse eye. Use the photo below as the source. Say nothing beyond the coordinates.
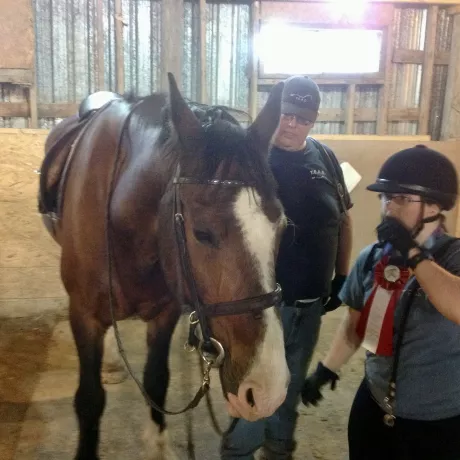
(205, 237)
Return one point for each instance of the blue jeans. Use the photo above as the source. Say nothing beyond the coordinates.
(276, 433)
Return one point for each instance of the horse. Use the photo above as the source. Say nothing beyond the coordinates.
(154, 207)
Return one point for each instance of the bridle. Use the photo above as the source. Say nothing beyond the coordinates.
(209, 348)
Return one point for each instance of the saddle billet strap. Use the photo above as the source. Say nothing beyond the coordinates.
(251, 305)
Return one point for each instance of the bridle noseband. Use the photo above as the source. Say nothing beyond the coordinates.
(210, 349)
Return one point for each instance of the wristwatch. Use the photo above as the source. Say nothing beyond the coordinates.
(419, 257)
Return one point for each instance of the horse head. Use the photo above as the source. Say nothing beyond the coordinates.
(232, 221)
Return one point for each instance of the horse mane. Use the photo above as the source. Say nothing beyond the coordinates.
(226, 140)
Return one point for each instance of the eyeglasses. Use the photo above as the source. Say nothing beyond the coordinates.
(399, 200)
(290, 117)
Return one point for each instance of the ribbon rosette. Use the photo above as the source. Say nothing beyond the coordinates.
(375, 326)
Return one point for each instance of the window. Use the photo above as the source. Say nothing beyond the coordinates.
(288, 49)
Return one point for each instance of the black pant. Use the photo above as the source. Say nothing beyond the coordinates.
(370, 439)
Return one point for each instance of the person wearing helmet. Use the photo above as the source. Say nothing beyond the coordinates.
(403, 295)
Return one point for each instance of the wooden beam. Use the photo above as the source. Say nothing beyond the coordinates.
(450, 128)
(254, 61)
(350, 112)
(320, 137)
(384, 91)
(33, 106)
(373, 16)
(336, 81)
(22, 110)
(405, 56)
(172, 24)
(62, 110)
(119, 47)
(203, 83)
(370, 137)
(100, 61)
(453, 10)
(428, 69)
(24, 77)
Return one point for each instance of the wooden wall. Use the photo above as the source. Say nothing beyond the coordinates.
(29, 258)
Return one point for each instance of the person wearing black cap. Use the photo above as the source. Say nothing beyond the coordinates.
(315, 249)
(403, 295)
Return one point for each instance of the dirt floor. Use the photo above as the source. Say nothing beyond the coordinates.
(38, 376)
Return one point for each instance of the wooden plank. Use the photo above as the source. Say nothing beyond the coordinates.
(450, 128)
(453, 10)
(370, 137)
(23, 77)
(310, 13)
(329, 81)
(57, 110)
(16, 34)
(254, 61)
(202, 57)
(21, 109)
(119, 47)
(405, 56)
(428, 70)
(171, 42)
(384, 92)
(33, 107)
(45, 132)
(62, 110)
(350, 112)
(99, 27)
(412, 114)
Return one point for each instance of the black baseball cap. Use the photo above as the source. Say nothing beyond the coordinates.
(301, 97)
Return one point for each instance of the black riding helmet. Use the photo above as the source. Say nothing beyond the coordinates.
(419, 171)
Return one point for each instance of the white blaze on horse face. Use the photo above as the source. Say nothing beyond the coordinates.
(268, 375)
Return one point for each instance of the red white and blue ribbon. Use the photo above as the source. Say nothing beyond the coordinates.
(375, 326)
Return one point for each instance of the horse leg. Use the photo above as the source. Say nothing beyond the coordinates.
(113, 367)
(156, 379)
(89, 399)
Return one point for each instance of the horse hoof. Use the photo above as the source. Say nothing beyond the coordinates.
(112, 377)
(157, 445)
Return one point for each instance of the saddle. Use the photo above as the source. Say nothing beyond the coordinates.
(57, 156)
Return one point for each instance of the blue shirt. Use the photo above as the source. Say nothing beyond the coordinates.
(428, 378)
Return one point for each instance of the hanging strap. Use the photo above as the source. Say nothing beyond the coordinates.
(340, 186)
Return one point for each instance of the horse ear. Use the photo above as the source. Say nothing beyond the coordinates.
(264, 126)
(185, 123)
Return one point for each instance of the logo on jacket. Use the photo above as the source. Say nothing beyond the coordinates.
(317, 174)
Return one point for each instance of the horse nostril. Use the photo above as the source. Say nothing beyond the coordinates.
(250, 398)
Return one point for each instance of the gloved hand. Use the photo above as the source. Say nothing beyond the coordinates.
(393, 231)
(334, 301)
(311, 388)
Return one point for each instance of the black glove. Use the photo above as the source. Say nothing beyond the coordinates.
(313, 383)
(392, 231)
(334, 301)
